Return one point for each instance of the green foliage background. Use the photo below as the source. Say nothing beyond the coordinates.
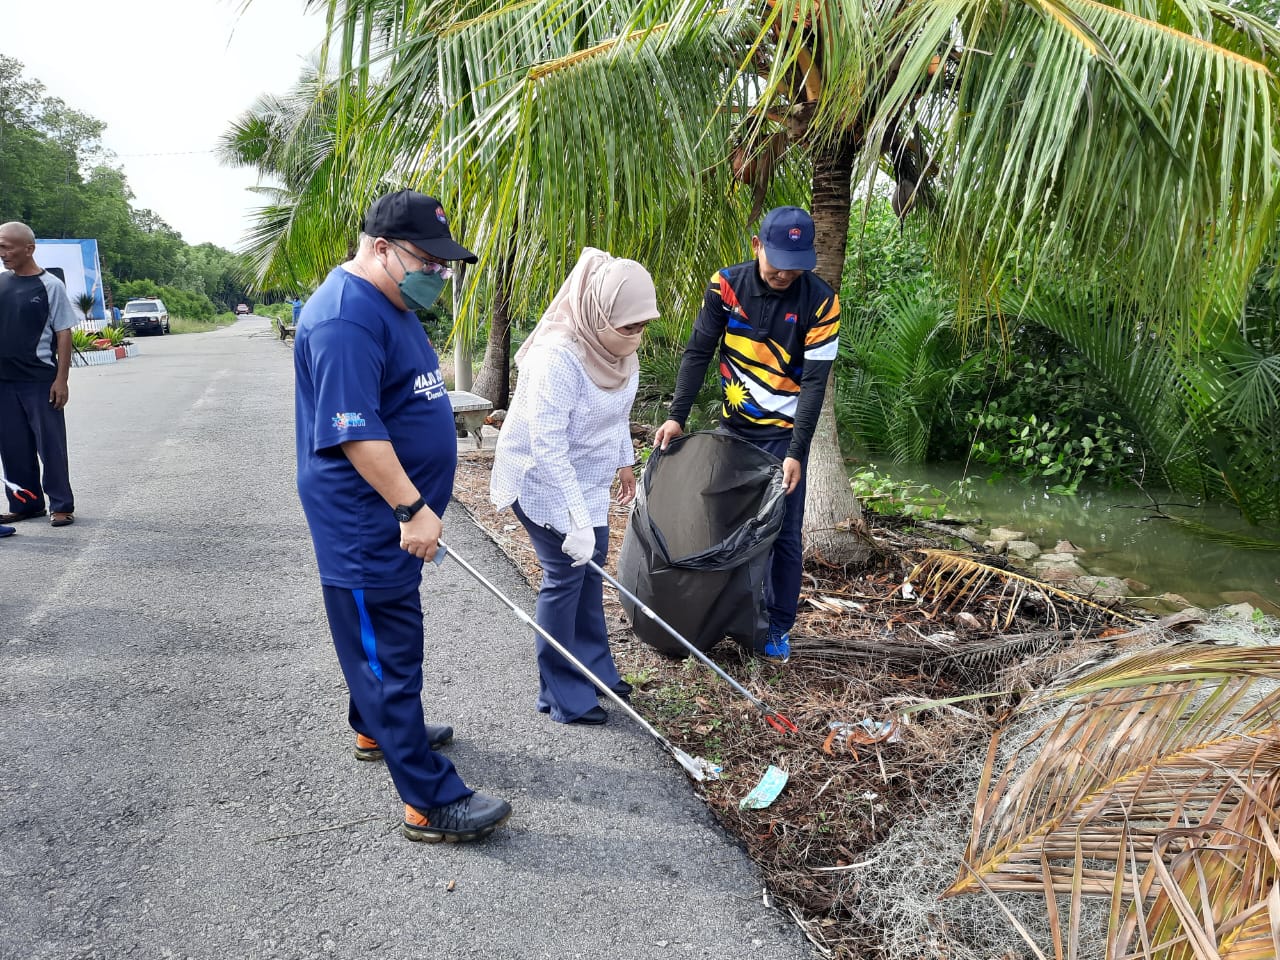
(57, 177)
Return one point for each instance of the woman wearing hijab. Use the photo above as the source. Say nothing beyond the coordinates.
(566, 436)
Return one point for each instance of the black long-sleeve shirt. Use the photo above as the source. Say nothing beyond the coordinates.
(776, 350)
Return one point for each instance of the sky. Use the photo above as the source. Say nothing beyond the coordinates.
(167, 78)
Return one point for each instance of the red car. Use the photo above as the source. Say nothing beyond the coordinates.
(242, 310)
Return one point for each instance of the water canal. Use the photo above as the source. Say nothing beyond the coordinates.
(1122, 536)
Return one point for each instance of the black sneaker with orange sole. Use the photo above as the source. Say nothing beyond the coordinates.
(471, 818)
(437, 736)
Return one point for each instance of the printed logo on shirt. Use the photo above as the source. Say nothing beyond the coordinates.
(791, 318)
(345, 421)
(429, 384)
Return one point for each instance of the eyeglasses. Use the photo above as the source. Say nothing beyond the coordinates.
(428, 266)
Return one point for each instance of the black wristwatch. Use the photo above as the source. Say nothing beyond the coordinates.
(405, 514)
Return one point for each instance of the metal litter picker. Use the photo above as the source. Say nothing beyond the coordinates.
(696, 767)
(772, 717)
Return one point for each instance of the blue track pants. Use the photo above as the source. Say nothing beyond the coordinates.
(786, 562)
(378, 637)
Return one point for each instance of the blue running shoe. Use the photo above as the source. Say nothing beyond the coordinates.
(778, 647)
(7, 531)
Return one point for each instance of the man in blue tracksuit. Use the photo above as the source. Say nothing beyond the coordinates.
(776, 324)
(376, 456)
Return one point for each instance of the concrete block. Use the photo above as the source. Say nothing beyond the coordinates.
(1100, 588)
(1004, 533)
(1023, 549)
(1060, 573)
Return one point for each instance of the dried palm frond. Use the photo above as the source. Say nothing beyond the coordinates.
(1155, 755)
(948, 573)
(1220, 898)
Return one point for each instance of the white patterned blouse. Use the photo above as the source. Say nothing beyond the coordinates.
(562, 442)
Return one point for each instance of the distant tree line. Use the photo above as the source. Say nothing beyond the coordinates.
(57, 177)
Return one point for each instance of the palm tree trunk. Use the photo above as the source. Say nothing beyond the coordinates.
(833, 524)
(493, 382)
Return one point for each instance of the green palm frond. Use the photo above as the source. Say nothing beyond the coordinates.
(1155, 755)
(299, 146)
(1136, 142)
(1091, 137)
(907, 364)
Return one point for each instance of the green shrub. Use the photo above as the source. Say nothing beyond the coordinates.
(890, 496)
(1044, 414)
(82, 340)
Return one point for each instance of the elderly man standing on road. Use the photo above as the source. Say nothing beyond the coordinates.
(376, 457)
(36, 318)
(777, 325)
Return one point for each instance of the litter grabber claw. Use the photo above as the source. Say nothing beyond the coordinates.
(776, 720)
(696, 767)
(21, 494)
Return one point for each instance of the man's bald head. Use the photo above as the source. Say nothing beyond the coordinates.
(18, 248)
(17, 232)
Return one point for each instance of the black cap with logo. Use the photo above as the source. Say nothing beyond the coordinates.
(417, 218)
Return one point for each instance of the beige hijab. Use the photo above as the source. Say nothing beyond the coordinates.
(601, 294)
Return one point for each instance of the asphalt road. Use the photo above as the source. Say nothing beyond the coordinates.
(177, 778)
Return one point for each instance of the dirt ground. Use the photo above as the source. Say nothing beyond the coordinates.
(862, 654)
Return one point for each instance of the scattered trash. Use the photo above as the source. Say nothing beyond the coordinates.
(452, 884)
(835, 604)
(863, 732)
(766, 791)
(908, 591)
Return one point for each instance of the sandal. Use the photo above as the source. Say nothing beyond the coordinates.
(58, 519)
(19, 517)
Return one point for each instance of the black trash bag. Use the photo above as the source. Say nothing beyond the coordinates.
(697, 545)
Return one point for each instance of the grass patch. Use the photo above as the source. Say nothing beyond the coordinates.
(187, 325)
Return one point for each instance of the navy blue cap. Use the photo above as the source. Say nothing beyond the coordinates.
(418, 218)
(787, 235)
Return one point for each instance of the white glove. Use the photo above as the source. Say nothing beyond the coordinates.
(580, 544)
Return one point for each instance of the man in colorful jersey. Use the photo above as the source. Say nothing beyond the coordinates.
(377, 451)
(36, 318)
(776, 324)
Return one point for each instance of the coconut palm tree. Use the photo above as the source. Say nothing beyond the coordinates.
(300, 144)
(1133, 144)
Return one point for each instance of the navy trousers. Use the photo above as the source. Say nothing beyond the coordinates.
(571, 609)
(786, 562)
(378, 637)
(32, 433)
